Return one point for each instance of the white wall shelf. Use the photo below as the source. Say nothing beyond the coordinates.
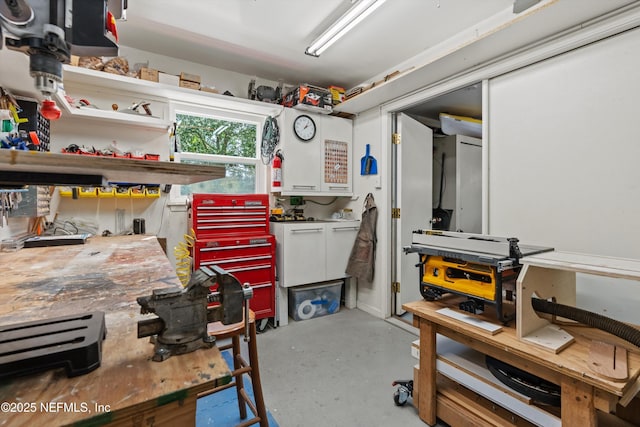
(111, 117)
(115, 82)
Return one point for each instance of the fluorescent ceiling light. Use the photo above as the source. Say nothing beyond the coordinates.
(343, 25)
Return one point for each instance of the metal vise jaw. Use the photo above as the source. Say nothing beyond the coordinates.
(183, 313)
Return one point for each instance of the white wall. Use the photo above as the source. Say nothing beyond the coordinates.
(373, 297)
(222, 80)
(564, 145)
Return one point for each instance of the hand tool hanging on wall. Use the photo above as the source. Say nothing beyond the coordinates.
(368, 163)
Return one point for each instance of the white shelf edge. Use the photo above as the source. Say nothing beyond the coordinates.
(115, 117)
(86, 76)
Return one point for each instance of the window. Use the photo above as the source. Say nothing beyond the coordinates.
(218, 137)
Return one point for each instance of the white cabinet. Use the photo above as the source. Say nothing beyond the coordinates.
(339, 241)
(462, 181)
(300, 252)
(311, 252)
(322, 165)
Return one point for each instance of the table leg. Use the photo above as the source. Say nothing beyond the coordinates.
(578, 403)
(427, 378)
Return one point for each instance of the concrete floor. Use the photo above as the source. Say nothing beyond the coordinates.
(337, 371)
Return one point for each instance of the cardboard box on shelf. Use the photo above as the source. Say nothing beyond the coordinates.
(190, 77)
(148, 74)
(168, 79)
(210, 89)
(189, 85)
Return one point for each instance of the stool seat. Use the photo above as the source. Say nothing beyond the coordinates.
(222, 331)
(240, 368)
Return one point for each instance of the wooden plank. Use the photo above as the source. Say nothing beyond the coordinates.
(544, 283)
(550, 338)
(111, 168)
(608, 360)
(577, 403)
(631, 393)
(592, 264)
(472, 320)
(427, 382)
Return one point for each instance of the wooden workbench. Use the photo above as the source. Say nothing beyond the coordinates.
(583, 391)
(106, 274)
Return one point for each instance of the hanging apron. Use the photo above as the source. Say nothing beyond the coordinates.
(363, 254)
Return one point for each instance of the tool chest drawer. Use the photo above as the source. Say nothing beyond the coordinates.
(250, 259)
(214, 215)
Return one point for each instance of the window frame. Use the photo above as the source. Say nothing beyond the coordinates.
(229, 114)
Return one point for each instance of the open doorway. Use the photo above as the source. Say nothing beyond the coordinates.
(452, 181)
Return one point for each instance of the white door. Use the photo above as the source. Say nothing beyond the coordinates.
(414, 163)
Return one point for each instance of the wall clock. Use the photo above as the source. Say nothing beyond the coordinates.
(304, 127)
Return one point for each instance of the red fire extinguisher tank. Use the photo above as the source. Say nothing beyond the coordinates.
(276, 171)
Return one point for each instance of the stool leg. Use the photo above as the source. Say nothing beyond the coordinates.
(255, 376)
(242, 406)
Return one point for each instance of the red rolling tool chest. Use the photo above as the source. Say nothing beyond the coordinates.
(232, 231)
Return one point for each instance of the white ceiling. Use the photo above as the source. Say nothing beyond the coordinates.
(267, 38)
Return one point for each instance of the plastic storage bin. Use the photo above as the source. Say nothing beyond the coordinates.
(316, 300)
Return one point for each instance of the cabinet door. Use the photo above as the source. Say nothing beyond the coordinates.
(340, 238)
(337, 152)
(303, 254)
(301, 164)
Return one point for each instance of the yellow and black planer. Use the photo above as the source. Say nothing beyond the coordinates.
(482, 268)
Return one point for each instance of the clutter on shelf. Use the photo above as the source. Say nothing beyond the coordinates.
(309, 97)
(22, 127)
(110, 151)
(127, 191)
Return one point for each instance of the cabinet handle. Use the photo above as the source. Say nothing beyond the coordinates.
(335, 187)
(344, 228)
(306, 230)
(236, 260)
(311, 187)
(226, 248)
(257, 267)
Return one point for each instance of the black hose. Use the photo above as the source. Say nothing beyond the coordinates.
(595, 320)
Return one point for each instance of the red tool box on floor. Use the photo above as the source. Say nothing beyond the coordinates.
(232, 231)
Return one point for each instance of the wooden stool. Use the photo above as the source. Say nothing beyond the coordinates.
(241, 367)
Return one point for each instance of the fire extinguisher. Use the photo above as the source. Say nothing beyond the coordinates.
(276, 171)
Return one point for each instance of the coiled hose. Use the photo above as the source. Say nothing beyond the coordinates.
(182, 253)
(595, 320)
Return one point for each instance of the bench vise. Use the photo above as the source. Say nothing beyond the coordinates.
(184, 313)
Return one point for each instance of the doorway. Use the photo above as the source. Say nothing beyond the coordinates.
(417, 175)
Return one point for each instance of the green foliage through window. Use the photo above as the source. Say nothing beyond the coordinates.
(207, 135)
(204, 140)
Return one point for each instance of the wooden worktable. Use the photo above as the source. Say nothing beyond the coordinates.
(106, 274)
(582, 390)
